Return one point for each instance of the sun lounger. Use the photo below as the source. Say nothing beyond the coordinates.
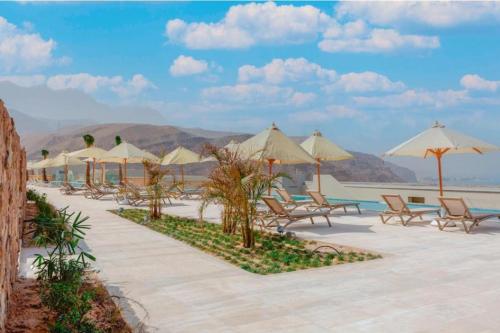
(69, 189)
(321, 202)
(456, 210)
(279, 213)
(98, 191)
(397, 207)
(289, 201)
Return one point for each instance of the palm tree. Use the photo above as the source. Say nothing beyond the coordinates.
(45, 154)
(118, 140)
(89, 142)
(155, 189)
(237, 184)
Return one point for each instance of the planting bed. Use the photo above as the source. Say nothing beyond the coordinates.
(272, 253)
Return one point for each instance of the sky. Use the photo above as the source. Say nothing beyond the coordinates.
(369, 75)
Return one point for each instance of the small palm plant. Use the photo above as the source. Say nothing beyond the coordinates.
(45, 154)
(237, 184)
(155, 189)
(89, 142)
(118, 141)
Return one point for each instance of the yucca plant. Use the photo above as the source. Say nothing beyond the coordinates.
(237, 184)
(89, 142)
(45, 154)
(118, 141)
(155, 189)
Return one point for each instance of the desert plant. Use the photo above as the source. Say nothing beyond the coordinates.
(155, 189)
(118, 141)
(45, 154)
(237, 184)
(63, 235)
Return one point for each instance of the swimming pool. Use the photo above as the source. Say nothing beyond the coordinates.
(380, 206)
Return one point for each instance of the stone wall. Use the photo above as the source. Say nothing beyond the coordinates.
(12, 204)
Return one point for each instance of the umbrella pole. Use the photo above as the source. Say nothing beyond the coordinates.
(125, 170)
(66, 174)
(144, 173)
(93, 170)
(318, 172)
(439, 154)
(271, 161)
(182, 177)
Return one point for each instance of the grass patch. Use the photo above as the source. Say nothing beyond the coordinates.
(272, 253)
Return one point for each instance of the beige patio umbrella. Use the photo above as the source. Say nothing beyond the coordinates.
(322, 149)
(65, 160)
(127, 153)
(40, 164)
(438, 141)
(273, 146)
(93, 153)
(181, 156)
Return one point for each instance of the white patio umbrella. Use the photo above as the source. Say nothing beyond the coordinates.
(438, 141)
(64, 160)
(93, 153)
(181, 156)
(127, 153)
(273, 146)
(322, 149)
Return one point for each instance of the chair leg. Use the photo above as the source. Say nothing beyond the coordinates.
(345, 209)
(359, 210)
(328, 220)
(312, 221)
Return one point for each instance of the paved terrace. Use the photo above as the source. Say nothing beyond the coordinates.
(428, 281)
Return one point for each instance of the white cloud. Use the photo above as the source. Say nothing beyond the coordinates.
(22, 50)
(414, 98)
(257, 94)
(85, 82)
(248, 24)
(329, 113)
(185, 65)
(433, 13)
(475, 82)
(24, 80)
(356, 37)
(364, 82)
(286, 70)
(82, 81)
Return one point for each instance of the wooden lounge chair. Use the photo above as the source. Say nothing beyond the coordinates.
(289, 201)
(69, 189)
(321, 202)
(279, 213)
(98, 191)
(456, 210)
(397, 207)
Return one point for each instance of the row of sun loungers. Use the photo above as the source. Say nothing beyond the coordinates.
(289, 210)
(455, 210)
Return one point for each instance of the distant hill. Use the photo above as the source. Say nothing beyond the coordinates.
(162, 139)
(71, 105)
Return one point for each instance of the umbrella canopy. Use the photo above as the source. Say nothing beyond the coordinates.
(180, 156)
(127, 153)
(322, 149)
(91, 152)
(63, 159)
(41, 164)
(439, 140)
(273, 146)
(232, 145)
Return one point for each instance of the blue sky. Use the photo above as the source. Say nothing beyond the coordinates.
(368, 75)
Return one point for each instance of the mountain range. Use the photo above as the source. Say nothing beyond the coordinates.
(57, 119)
